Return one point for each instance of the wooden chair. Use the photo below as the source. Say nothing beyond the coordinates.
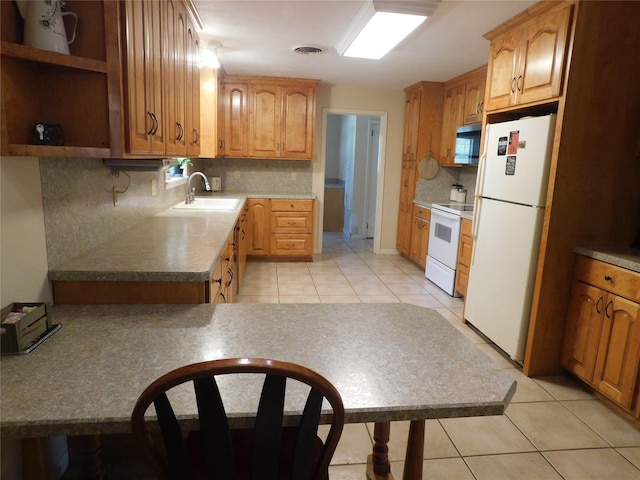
(215, 451)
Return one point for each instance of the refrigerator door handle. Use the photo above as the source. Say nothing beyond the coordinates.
(481, 164)
(475, 225)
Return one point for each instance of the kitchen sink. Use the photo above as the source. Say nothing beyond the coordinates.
(210, 204)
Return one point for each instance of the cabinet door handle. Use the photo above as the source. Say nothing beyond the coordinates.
(197, 136)
(599, 305)
(607, 312)
(155, 121)
(513, 85)
(519, 83)
(180, 130)
(150, 132)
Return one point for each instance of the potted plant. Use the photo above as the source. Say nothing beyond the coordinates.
(178, 169)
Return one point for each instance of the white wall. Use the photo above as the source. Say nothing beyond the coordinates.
(360, 100)
(23, 278)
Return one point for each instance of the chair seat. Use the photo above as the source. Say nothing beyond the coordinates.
(243, 446)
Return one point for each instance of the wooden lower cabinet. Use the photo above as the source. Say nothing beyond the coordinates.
(223, 283)
(464, 257)
(420, 235)
(281, 228)
(602, 335)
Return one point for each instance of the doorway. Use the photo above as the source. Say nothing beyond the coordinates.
(352, 153)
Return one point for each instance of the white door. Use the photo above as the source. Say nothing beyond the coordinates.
(371, 186)
(506, 240)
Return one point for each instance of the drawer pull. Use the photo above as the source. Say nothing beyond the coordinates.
(607, 278)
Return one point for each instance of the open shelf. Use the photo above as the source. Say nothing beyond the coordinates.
(52, 58)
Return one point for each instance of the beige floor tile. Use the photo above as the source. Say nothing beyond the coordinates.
(298, 289)
(362, 279)
(354, 446)
(426, 300)
(499, 358)
(406, 289)
(396, 278)
(331, 269)
(257, 299)
(632, 454)
(520, 466)
(340, 299)
(379, 299)
(299, 299)
(334, 289)
(606, 423)
(387, 269)
(438, 469)
(354, 269)
(551, 426)
(259, 278)
(329, 279)
(260, 289)
(436, 442)
(292, 267)
(373, 288)
(564, 388)
(347, 472)
(448, 300)
(295, 279)
(486, 435)
(600, 464)
(528, 390)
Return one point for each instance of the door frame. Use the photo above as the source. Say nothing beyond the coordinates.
(318, 177)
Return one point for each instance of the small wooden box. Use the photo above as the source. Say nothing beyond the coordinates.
(18, 335)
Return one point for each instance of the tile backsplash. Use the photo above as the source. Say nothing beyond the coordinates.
(77, 196)
(437, 190)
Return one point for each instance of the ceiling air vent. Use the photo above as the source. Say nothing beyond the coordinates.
(307, 49)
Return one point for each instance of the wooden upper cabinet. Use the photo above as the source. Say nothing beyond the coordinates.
(297, 121)
(211, 113)
(162, 84)
(411, 123)
(276, 121)
(144, 78)
(192, 92)
(175, 77)
(281, 121)
(474, 97)
(527, 61)
(452, 118)
(236, 119)
(264, 120)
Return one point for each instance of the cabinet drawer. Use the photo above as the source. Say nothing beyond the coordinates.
(283, 244)
(422, 212)
(283, 222)
(609, 277)
(289, 205)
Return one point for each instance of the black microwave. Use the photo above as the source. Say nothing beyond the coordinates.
(468, 144)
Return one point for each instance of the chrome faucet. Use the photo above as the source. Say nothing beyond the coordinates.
(191, 196)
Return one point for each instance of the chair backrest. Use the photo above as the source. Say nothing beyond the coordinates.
(308, 460)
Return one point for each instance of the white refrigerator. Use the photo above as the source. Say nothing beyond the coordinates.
(510, 197)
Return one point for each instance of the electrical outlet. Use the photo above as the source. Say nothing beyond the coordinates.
(237, 174)
(294, 175)
(154, 187)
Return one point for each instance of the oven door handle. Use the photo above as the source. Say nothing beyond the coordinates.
(443, 214)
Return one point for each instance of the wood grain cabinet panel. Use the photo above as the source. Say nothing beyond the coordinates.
(602, 334)
(420, 235)
(527, 64)
(465, 249)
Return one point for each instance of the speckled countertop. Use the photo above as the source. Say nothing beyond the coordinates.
(624, 257)
(176, 245)
(389, 362)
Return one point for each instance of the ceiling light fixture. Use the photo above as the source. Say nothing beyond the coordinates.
(380, 25)
(209, 55)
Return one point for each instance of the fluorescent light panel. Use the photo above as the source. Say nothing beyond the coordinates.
(380, 25)
(383, 32)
